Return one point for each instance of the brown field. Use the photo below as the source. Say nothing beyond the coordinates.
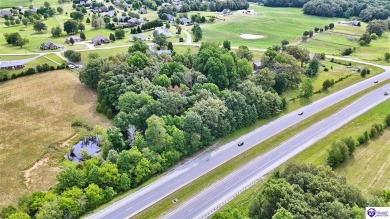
(35, 117)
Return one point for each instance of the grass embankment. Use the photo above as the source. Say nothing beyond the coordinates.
(36, 113)
(368, 168)
(191, 189)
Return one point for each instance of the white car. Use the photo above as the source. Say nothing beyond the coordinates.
(71, 66)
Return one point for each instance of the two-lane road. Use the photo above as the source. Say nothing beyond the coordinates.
(184, 174)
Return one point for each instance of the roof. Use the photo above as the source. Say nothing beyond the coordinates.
(74, 38)
(165, 4)
(6, 64)
(138, 36)
(48, 43)
(257, 64)
(99, 38)
(110, 13)
(185, 20)
(170, 17)
(163, 31)
(4, 12)
(161, 52)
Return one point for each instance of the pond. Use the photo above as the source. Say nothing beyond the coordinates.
(88, 147)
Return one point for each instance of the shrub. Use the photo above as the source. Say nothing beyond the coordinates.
(75, 57)
(326, 69)
(67, 53)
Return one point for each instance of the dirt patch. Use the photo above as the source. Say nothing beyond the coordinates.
(251, 36)
(27, 173)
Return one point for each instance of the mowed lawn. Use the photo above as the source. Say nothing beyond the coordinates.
(369, 167)
(35, 117)
(275, 24)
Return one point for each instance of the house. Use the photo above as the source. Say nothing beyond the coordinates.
(164, 52)
(185, 21)
(5, 12)
(354, 23)
(19, 8)
(116, 2)
(102, 9)
(123, 19)
(99, 40)
(138, 37)
(33, 10)
(110, 14)
(135, 21)
(125, 5)
(176, 2)
(170, 17)
(76, 39)
(143, 10)
(257, 66)
(12, 65)
(226, 12)
(163, 31)
(165, 4)
(49, 46)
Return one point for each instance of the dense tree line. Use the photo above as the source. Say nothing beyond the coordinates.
(366, 10)
(306, 191)
(285, 3)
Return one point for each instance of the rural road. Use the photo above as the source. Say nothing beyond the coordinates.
(187, 172)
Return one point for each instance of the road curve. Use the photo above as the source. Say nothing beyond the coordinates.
(214, 196)
(187, 172)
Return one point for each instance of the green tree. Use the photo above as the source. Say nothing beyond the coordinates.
(119, 33)
(60, 9)
(19, 215)
(77, 15)
(142, 171)
(82, 36)
(156, 135)
(327, 84)
(25, 21)
(81, 26)
(159, 39)
(70, 177)
(138, 60)
(387, 56)
(109, 175)
(314, 67)
(170, 46)
(71, 27)
(226, 44)
(216, 72)
(377, 26)
(244, 52)
(112, 37)
(39, 26)
(116, 138)
(75, 57)
(50, 209)
(95, 195)
(21, 42)
(306, 88)
(92, 73)
(244, 68)
(56, 31)
(197, 32)
(139, 46)
(124, 182)
(162, 80)
(282, 213)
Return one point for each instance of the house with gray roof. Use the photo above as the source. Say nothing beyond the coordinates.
(185, 21)
(163, 31)
(49, 46)
(12, 65)
(99, 40)
(138, 37)
(170, 17)
(4, 12)
(110, 14)
(76, 39)
(143, 10)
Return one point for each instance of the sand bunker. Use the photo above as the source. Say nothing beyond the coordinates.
(251, 36)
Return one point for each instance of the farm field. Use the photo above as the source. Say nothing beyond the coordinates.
(375, 51)
(267, 23)
(36, 113)
(330, 43)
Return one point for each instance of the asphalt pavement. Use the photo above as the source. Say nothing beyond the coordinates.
(187, 172)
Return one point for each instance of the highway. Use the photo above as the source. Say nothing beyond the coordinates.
(187, 172)
(215, 195)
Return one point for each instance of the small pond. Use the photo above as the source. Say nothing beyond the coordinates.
(90, 146)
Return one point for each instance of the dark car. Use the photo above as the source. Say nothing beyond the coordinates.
(376, 81)
(386, 93)
(241, 143)
(301, 113)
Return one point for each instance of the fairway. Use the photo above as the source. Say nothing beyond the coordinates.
(275, 24)
(35, 117)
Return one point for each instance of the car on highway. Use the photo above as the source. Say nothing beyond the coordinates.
(376, 81)
(386, 93)
(241, 143)
(300, 113)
